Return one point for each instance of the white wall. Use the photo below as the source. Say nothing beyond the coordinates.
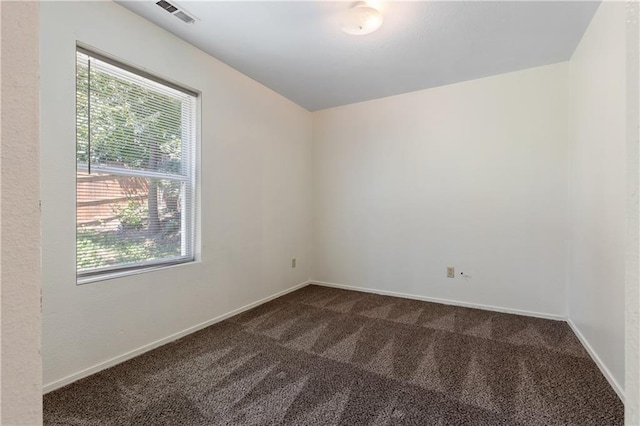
(597, 184)
(632, 287)
(255, 187)
(20, 392)
(471, 175)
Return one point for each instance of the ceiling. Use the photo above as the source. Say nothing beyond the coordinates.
(298, 50)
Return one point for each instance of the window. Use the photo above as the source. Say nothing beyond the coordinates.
(135, 185)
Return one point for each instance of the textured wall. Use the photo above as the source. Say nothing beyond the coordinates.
(632, 295)
(19, 216)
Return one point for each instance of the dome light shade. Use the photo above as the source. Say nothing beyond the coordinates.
(361, 19)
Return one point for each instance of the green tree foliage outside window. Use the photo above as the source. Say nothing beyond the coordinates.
(123, 125)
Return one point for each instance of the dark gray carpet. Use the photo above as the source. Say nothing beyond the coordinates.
(322, 356)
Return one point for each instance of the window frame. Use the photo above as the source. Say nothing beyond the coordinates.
(116, 271)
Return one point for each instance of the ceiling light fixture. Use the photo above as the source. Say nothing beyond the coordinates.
(361, 19)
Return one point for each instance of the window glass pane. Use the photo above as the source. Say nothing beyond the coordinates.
(120, 221)
(135, 146)
(134, 123)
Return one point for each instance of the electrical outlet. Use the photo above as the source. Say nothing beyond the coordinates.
(451, 272)
(293, 262)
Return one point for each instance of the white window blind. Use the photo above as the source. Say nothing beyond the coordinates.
(135, 150)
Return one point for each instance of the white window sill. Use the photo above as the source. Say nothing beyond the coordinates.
(142, 270)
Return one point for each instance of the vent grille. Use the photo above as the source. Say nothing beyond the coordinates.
(180, 14)
(167, 6)
(184, 17)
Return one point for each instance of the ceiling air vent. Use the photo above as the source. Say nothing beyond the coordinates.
(175, 11)
(183, 16)
(167, 6)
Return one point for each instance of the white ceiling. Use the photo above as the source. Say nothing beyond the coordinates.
(298, 49)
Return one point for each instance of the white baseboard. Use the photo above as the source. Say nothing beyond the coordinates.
(445, 301)
(146, 348)
(594, 356)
